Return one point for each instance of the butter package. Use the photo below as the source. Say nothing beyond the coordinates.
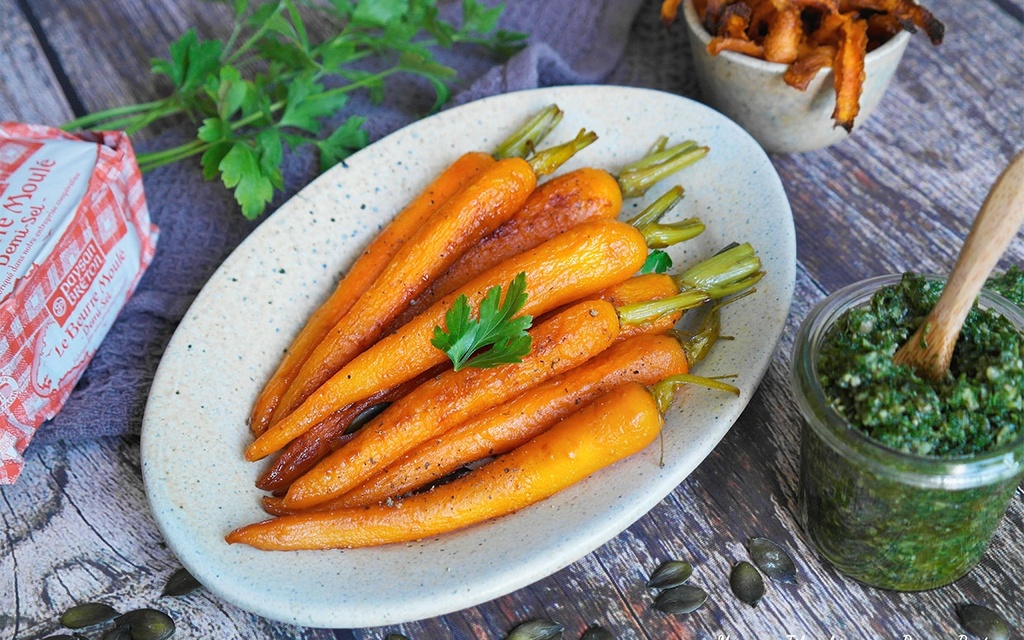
(75, 238)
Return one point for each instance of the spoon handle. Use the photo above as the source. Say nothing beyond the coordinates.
(998, 221)
(1002, 214)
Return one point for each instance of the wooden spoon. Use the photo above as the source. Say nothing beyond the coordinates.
(930, 349)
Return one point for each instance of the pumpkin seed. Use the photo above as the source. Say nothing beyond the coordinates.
(123, 632)
(772, 559)
(397, 636)
(180, 583)
(746, 582)
(983, 622)
(670, 574)
(88, 614)
(682, 599)
(61, 636)
(537, 630)
(597, 632)
(147, 624)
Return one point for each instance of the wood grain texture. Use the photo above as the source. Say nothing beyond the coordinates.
(898, 195)
(29, 90)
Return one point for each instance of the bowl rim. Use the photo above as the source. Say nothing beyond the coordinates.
(694, 26)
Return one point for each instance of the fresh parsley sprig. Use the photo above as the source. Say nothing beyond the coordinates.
(270, 86)
(496, 329)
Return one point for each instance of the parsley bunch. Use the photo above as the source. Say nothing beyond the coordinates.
(269, 86)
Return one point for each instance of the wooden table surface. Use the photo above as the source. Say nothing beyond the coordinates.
(898, 195)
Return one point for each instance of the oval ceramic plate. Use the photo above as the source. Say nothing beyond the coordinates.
(229, 342)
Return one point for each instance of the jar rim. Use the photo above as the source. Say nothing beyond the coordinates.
(949, 472)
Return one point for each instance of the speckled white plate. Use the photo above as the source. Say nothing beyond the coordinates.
(229, 342)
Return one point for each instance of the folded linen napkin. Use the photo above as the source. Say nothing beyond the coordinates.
(571, 42)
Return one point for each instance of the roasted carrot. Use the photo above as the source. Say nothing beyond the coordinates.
(565, 201)
(361, 275)
(553, 208)
(437, 405)
(615, 426)
(689, 348)
(848, 71)
(645, 359)
(571, 265)
(372, 262)
(304, 452)
(461, 222)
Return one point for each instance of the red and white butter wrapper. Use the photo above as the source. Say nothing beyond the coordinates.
(75, 238)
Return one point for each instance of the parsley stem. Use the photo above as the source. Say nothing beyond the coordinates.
(256, 35)
(91, 120)
(152, 160)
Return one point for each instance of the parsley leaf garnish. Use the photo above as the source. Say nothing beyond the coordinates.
(496, 326)
(657, 262)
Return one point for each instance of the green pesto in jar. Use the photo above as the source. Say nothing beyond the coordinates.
(978, 406)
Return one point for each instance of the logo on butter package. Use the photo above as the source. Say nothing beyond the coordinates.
(75, 238)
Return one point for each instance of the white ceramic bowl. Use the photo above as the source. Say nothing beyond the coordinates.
(782, 119)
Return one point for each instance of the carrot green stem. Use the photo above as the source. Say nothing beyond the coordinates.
(697, 344)
(638, 312)
(725, 273)
(523, 142)
(636, 178)
(657, 209)
(549, 160)
(660, 235)
(728, 272)
(664, 391)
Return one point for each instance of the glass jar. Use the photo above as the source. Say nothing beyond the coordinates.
(887, 518)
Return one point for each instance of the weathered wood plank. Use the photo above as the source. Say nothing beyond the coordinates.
(900, 194)
(106, 47)
(29, 89)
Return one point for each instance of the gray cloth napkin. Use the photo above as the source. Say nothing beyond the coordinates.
(571, 42)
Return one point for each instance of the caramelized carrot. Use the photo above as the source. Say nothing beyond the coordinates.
(645, 359)
(304, 452)
(615, 426)
(437, 405)
(572, 265)
(461, 222)
(637, 290)
(553, 208)
(361, 275)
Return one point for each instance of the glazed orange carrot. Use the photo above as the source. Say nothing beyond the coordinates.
(467, 217)
(308, 449)
(613, 427)
(553, 208)
(497, 193)
(681, 351)
(361, 275)
(571, 265)
(439, 404)
(303, 452)
(645, 358)
(635, 290)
